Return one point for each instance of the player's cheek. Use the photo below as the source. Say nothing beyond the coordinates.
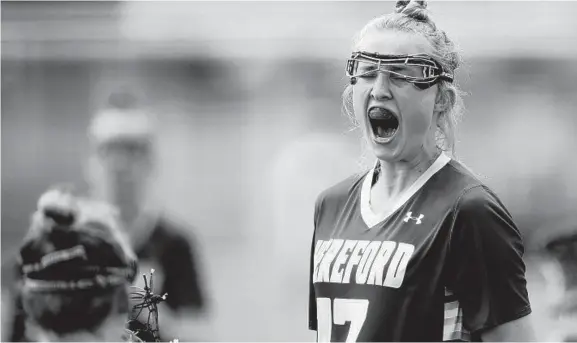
(360, 99)
(417, 116)
(426, 115)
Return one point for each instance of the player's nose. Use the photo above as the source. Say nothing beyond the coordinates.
(382, 87)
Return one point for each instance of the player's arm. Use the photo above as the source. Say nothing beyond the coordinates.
(312, 297)
(486, 269)
(184, 281)
(519, 330)
(186, 316)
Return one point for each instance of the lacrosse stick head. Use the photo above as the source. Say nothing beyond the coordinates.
(143, 322)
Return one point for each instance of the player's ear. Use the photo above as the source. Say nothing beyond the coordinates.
(445, 99)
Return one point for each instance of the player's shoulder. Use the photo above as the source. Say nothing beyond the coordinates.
(456, 176)
(173, 232)
(473, 193)
(340, 192)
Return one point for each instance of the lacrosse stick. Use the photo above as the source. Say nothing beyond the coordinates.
(149, 331)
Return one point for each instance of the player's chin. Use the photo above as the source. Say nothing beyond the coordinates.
(386, 154)
(389, 151)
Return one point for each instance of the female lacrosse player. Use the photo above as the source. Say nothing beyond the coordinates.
(417, 248)
(76, 268)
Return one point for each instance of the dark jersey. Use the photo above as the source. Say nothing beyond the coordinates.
(175, 259)
(444, 264)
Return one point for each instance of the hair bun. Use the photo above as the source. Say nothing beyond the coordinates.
(414, 9)
(60, 206)
(401, 6)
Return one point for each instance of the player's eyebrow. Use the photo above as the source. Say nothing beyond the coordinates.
(397, 67)
(368, 65)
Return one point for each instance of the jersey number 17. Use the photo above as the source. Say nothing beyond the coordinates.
(353, 311)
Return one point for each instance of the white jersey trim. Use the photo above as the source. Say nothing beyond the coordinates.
(371, 218)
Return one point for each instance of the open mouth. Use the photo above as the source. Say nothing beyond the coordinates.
(384, 123)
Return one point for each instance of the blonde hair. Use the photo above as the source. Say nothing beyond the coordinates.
(413, 16)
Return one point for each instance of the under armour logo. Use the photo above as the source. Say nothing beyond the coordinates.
(409, 216)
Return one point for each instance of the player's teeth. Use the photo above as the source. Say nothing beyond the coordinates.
(380, 131)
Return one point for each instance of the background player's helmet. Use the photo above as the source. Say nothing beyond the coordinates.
(75, 244)
(74, 260)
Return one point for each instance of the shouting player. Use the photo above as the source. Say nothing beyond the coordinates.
(417, 248)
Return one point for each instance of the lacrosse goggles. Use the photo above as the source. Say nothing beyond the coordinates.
(421, 70)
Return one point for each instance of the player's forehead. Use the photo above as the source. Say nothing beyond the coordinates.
(112, 124)
(120, 131)
(392, 42)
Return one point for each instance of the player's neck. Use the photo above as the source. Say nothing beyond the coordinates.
(137, 214)
(395, 177)
(141, 226)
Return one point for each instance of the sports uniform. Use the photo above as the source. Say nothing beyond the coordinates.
(445, 263)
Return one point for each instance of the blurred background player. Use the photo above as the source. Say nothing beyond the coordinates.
(76, 268)
(121, 170)
(418, 248)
